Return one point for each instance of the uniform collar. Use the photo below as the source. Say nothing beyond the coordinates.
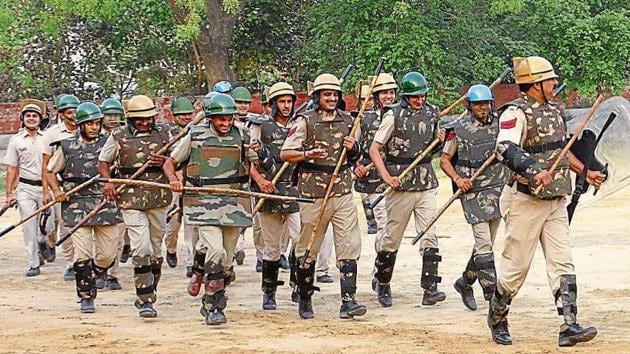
(25, 133)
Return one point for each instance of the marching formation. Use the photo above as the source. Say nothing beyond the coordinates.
(109, 183)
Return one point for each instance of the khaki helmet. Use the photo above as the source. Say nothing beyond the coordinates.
(28, 103)
(140, 106)
(532, 69)
(385, 81)
(326, 82)
(31, 107)
(279, 89)
(362, 88)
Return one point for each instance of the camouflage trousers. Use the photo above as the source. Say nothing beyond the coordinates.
(67, 249)
(400, 206)
(380, 215)
(29, 199)
(277, 229)
(146, 230)
(258, 238)
(99, 243)
(122, 232)
(484, 234)
(531, 220)
(218, 243)
(342, 214)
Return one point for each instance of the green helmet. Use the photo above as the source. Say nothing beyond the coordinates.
(182, 105)
(219, 104)
(88, 111)
(413, 84)
(67, 101)
(241, 94)
(112, 106)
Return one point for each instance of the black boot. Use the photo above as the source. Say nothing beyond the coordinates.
(497, 318)
(486, 273)
(369, 215)
(384, 264)
(44, 251)
(270, 283)
(293, 266)
(229, 275)
(214, 300)
(86, 289)
(464, 284)
(348, 281)
(100, 275)
(305, 279)
(571, 332)
(156, 269)
(126, 252)
(143, 279)
(430, 278)
(171, 259)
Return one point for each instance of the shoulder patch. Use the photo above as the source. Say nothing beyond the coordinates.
(292, 131)
(508, 124)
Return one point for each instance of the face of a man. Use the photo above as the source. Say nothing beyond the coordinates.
(328, 100)
(548, 86)
(31, 120)
(285, 105)
(242, 108)
(183, 119)
(111, 121)
(481, 110)
(69, 115)
(91, 129)
(267, 108)
(386, 97)
(143, 124)
(416, 102)
(222, 123)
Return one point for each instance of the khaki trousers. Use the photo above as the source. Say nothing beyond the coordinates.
(380, 215)
(146, 230)
(485, 233)
(342, 213)
(99, 243)
(67, 248)
(325, 254)
(276, 228)
(172, 228)
(529, 221)
(191, 237)
(258, 239)
(218, 243)
(29, 199)
(400, 206)
(122, 233)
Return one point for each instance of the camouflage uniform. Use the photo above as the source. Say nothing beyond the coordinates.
(221, 161)
(471, 143)
(96, 242)
(314, 129)
(530, 138)
(372, 184)
(143, 209)
(404, 134)
(279, 220)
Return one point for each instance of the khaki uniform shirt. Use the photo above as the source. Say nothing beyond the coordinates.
(24, 152)
(54, 134)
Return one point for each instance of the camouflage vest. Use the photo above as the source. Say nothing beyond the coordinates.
(314, 175)
(413, 132)
(475, 144)
(371, 183)
(217, 162)
(134, 152)
(272, 137)
(82, 165)
(546, 134)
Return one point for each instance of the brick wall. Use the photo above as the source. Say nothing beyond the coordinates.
(10, 123)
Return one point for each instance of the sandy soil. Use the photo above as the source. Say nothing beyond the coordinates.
(40, 314)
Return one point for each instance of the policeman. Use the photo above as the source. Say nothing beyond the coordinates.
(406, 129)
(315, 142)
(368, 181)
(66, 128)
(468, 145)
(532, 134)
(24, 178)
(143, 209)
(96, 243)
(278, 220)
(113, 117)
(216, 154)
(183, 111)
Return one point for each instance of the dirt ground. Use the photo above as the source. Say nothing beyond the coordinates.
(41, 314)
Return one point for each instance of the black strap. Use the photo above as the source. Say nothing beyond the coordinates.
(142, 269)
(312, 167)
(469, 163)
(395, 160)
(432, 258)
(204, 181)
(145, 291)
(30, 181)
(539, 148)
(128, 171)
